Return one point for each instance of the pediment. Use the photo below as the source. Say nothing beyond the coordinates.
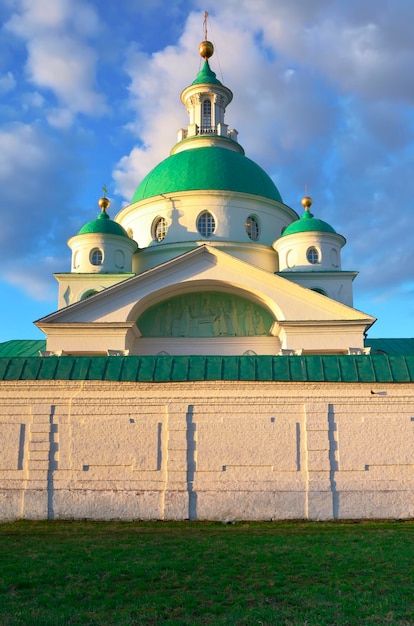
(204, 269)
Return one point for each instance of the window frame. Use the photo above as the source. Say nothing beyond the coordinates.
(253, 232)
(206, 224)
(313, 255)
(158, 232)
(96, 257)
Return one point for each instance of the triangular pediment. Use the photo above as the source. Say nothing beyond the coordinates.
(206, 269)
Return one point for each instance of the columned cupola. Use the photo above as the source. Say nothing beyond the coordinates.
(206, 100)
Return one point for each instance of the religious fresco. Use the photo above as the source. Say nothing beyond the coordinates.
(205, 314)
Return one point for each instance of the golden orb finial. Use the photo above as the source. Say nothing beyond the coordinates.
(206, 49)
(306, 202)
(104, 203)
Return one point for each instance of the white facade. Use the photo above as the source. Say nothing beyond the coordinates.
(207, 269)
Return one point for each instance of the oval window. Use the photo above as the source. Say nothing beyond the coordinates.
(206, 224)
(252, 227)
(159, 229)
(312, 255)
(96, 256)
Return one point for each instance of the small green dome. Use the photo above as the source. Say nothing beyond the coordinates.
(210, 168)
(103, 224)
(206, 75)
(308, 223)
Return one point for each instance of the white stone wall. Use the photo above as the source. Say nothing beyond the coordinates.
(209, 450)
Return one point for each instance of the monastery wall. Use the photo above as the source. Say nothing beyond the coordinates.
(206, 450)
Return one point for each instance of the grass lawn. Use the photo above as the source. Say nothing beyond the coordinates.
(65, 573)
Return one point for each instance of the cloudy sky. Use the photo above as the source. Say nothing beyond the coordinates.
(323, 96)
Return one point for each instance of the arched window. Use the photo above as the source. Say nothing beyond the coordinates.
(252, 227)
(312, 255)
(206, 121)
(96, 256)
(319, 290)
(159, 228)
(206, 224)
(88, 293)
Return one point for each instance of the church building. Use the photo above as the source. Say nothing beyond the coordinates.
(205, 360)
(207, 259)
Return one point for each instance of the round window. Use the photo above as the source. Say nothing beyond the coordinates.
(252, 227)
(159, 228)
(206, 224)
(312, 255)
(96, 256)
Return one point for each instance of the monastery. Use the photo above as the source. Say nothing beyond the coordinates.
(205, 360)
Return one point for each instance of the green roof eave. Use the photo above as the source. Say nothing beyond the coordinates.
(378, 368)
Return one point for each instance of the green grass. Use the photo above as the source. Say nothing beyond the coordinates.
(67, 573)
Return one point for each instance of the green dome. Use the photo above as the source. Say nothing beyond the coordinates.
(206, 75)
(308, 223)
(103, 224)
(214, 168)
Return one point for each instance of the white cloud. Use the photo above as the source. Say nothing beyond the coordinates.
(60, 57)
(34, 178)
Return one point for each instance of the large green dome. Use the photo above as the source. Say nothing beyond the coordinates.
(103, 224)
(210, 168)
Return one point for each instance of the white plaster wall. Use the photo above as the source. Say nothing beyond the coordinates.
(117, 253)
(73, 286)
(292, 251)
(181, 211)
(218, 450)
(336, 285)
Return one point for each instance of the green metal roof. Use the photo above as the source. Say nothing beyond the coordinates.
(22, 347)
(390, 346)
(308, 223)
(103, 224)
(209, 168)
(206, 75)
(159, 369)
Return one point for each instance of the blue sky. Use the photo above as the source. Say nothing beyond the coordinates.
(323, 96)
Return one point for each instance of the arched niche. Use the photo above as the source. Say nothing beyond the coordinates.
(205, 314)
